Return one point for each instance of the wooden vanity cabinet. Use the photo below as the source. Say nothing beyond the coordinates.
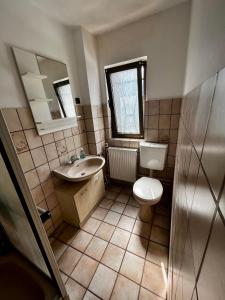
(77, 199)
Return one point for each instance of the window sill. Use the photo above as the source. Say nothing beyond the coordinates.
(125, 142)
(127, 139)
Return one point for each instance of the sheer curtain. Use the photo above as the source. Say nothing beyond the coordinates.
(125, 95)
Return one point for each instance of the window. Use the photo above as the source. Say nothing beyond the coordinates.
(65, 98)
(126, 91)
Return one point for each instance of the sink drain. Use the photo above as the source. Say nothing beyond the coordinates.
(83, 174)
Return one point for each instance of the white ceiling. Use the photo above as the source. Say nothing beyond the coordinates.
(99, 16)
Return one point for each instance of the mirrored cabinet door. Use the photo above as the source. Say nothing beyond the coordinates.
(47, 88)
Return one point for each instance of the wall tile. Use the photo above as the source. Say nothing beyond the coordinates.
(32, 179)
(153, 122)
(33, 139)
(213, 158)
(50, 147)
(153, 107)
(203, 112)
(151, 135)
(47, 187)
(26, 161)
(37, 194)
(25, 117)
(164, 121)
(19, 141)
(211, 284)
(176, 106)
(67, 132)
(39, 156)
(53, 164)
(58, 135)
(61, 147)
(175, 121)
(51, 201)
(202, 211)
(47, 138)
(164, 135)
(51, 151)
(12, 119)
(165, 107)
(43, 172)
(70, 144)
(173, 136)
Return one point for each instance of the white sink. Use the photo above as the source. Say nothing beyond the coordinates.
(81, 170)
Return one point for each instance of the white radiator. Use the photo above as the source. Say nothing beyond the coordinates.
(122, 163)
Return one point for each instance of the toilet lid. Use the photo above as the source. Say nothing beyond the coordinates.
(148, 188)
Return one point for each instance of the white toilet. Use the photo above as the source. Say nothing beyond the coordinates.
(146, 190)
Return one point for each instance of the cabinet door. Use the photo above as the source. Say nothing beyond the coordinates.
(97, 187)
(83, 202)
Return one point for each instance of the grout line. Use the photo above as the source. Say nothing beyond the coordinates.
(108, 242)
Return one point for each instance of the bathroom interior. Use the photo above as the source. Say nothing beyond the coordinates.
(109, 115)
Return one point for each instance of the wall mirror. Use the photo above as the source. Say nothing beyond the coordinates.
(47, 88)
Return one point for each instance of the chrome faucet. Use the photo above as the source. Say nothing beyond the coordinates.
(73, 158)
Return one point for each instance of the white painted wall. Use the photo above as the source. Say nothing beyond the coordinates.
(206, 50)
(87, 62)
(163, 39)
(23, 25)
(91, 58)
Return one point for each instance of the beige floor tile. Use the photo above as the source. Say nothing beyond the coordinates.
(91, 225)
(133, 202)
(58, 248)
(105, 231)
(106, 203)
(126, 223)
(137, 245)
(64, 277)
(68, 260)
(153, 279)
(157, 254)
(128, 190)
(100, 213)
(75, 291)
(118, 207)
(68, 234)
(115, 188)
(125, 289)
(89, 296)
(120, 238)
(81, 240)
(123, 198)
(132, 267)
(112, 218)
(142, 229)
(111, 195)
(163, 209)
(96, 248)
(59, 229)
(131, 211)
(160, 235)
(113, 257)
(162, 221)
(103, 282)
(84, 270)
(147, 295)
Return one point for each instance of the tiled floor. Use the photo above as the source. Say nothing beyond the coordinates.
(115, 255)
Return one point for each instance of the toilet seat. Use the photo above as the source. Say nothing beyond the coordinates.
(148, 190)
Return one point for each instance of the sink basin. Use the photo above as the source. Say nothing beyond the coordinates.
(81, 170)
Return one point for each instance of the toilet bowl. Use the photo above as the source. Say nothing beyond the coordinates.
(147, 191)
